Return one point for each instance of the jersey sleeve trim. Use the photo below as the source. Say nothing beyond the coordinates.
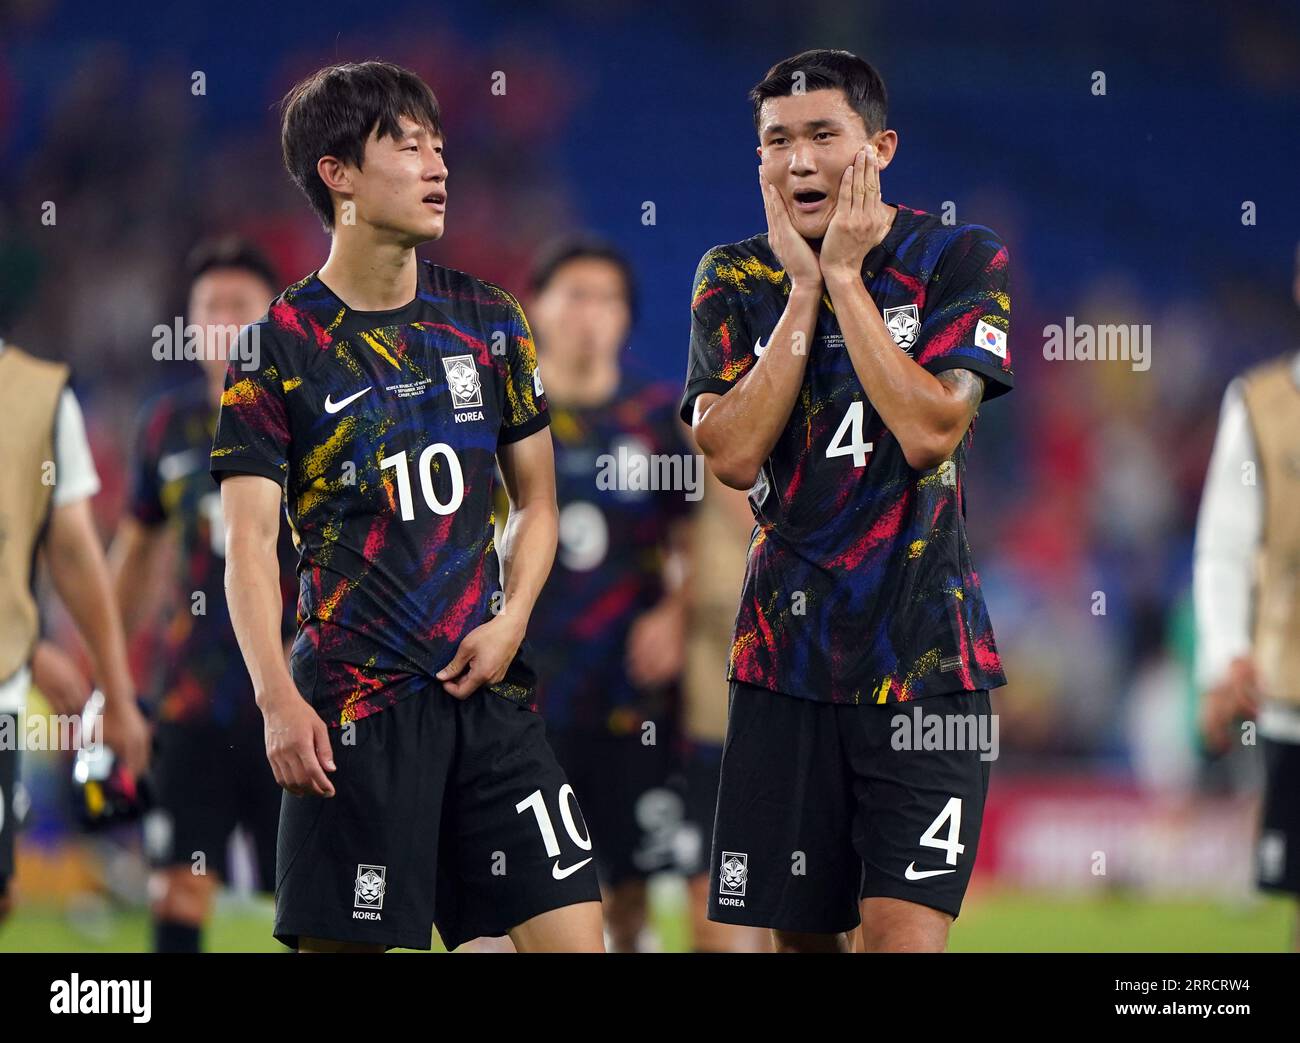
(528, 427)
(225, 466)
(697, 387)
(997, 381)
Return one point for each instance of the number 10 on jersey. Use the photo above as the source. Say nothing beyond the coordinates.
(425, 467)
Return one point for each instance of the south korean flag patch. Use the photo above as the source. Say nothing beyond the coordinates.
(990, 338)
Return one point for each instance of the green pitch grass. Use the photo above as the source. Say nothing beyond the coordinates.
(989, 923)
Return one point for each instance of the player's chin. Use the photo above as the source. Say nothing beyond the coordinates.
(812, 226)
(425, 228)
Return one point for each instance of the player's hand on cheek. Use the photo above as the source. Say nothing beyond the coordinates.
(482, 658)
(791, 249)
(861, 218)
(298, 747)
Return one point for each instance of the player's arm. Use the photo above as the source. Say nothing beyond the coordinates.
(1228, 533)
(527, 551)
(656, 642)
(737, 431)
(59, 678)
(135, 560)
(297, 740)
(80, 573)
(928, 414)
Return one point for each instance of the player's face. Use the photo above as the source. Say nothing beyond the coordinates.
(582, 316)
(401, 188)
(804, 143)
(222, 301)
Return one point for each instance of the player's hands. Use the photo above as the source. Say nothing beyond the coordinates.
(861, 218)
(127, 734)
(791, 249)
(484, 656)
(64, 686)
(1235, 698)
(298, 745)
(656, 644)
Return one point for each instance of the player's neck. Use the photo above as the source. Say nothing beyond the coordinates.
(579, 388)
(216, 384)
(367, 275)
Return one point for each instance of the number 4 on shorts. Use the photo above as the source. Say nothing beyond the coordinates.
(951, 814)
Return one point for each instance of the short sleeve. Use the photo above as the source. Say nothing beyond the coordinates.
(146, 491)
(721, 351)
(253, 425)
(74, 465)
(969, 324)
(525, 406)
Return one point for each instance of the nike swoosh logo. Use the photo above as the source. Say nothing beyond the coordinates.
(334, 407)
(913, 874)
(760, 347)
(560, 874)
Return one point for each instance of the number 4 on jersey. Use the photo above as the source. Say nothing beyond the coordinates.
(851, 426)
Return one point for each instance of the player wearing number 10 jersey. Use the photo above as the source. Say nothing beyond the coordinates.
(836, 364)
(379, 394)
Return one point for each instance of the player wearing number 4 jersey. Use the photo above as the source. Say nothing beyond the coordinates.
(376, 397)
(836, 366)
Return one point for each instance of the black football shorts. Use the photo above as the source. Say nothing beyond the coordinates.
(10, 802)
(701, 770)
(1277, 855)
(446, 812)
(625, 787)
(821, 805)
(208, 779)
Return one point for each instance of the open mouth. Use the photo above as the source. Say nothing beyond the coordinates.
(438, 200)
(808, 200)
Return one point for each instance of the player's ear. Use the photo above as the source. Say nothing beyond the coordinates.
(886, 143)
(336, 175)
(758, 151)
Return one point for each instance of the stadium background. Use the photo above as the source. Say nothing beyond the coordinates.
(1120, 208)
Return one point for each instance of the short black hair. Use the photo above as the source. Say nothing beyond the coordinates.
(334, 111)
(823, 69)
(229, 251)
(559, 252)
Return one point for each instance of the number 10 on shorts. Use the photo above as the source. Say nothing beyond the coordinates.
(568, 802)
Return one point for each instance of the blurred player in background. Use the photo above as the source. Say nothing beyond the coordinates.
(836, 365)
(1247, 591)
(374, 402)
(210, 773)
(719, 544)
(46, 485)
(608, 631)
